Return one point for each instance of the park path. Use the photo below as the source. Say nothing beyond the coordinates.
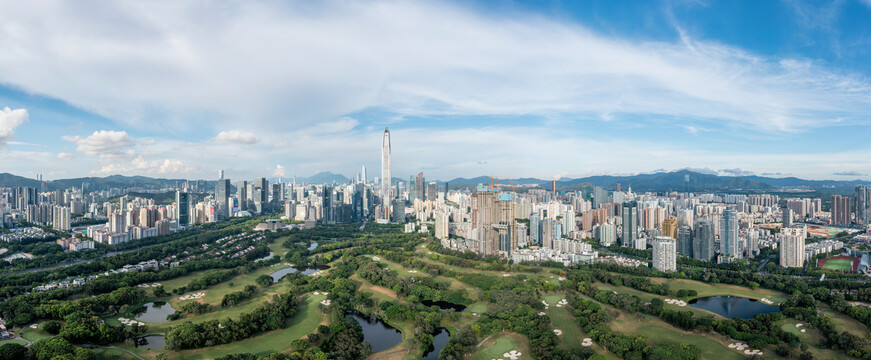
(482, 341)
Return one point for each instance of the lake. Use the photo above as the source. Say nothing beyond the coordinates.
(377, 332)
(154, 312)
(151, 342)
(733, 306)
(444, 305)
(307, 271)
(438, 343)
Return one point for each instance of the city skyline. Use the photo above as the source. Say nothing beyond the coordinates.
(664, 86)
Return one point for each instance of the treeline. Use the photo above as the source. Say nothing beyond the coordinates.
(272, 315)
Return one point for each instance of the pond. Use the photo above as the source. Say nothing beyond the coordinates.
(444, 305)
(377, 332)
(154, 312)
(151, 342)
(267, 257)
(438, 343)
(733, 306)
(306, 271)
(312, 246)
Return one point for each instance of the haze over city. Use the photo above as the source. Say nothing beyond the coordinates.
(513, 89)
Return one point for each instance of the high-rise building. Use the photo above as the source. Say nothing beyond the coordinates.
(242, 195)
(182, 208)
(630, 224)
(787, 217)
(222, 197)
(432, 191)
(535, 229)
(419, 188)
(841, 213)
(386, 177)
(863, 211)
(792, 251)
(263, 185)
(600, 196)
(664, 254)
(703, 240)
(685, 240)
(669, 228)
(607, 234)
(729, 233)
(363, 175)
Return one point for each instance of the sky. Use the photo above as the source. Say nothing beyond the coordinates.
(181, 89)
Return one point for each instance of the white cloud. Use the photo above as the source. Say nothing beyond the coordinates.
(9, 120)
(65, 156)
(279, 171)
(105, 144)
(204, 64)
(140, 166)
(236, 137)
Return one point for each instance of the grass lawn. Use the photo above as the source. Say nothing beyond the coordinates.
(34, 335)
(647, 297)
(112, 354)
(711, 345)
(705, 289)
(13, 341)
(812, 338)
(562, 318)
(838, 265)
(842, 322)
(302, 324)
(477, 308)
(502, 343)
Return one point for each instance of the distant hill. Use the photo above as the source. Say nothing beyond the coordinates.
(95, 183)
(326, 177)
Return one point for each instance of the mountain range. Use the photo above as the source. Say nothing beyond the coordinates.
(660, 181)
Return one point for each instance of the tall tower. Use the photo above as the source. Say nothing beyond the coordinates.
(363, 174)
(386, 177)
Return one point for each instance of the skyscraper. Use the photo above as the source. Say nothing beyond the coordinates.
(685, 240)
(630, 224)
(862, 205)
(419, 188)
(242, 195)
(703, 240)
(787, 217)
(535, 229)
(386, 177)
(729, 233)
(840, 210)
(182, 208)
(363, 175)
(222, 197)
(664, 254)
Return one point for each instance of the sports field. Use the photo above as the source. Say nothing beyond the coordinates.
(844, 265)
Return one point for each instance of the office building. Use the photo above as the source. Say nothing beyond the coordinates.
(862, 194)
(729, 233)
(841, 213)
(685, 240)
(222, 198)
(787, 217)
(703, 240)
(630, 224)
(182, 208)
(242, 195)
(386, 177)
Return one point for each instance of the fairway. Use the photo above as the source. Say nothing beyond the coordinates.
(661, 332)
(302, 324)
(843, 265)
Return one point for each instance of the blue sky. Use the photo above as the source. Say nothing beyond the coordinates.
(512, 89)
